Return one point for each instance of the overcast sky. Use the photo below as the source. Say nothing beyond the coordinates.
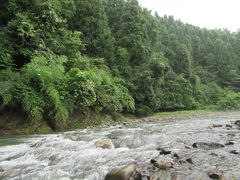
(204, 13)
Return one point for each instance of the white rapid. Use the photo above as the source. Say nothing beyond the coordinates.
(57, 157)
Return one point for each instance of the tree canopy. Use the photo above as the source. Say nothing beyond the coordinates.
(58, 57)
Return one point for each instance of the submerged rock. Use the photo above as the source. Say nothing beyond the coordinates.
(228, 126)
(207, 145)
(189, 160)
(125, 173)
(229, 143)
(188, 147)
(12, 157)
(214, 154)
(53, 160)
(237, 122)
(234, 152)
(231, 134)
(104, 144)
(216, 125)
(162, 163)
(163, 151)
(182, 161)
(175, 155)
(215, 175)
(72, 136)
(36, 145)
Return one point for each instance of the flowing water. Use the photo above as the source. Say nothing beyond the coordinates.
(57, 157)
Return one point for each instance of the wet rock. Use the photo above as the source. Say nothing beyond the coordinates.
(228, 126)
(161, 164)
(6, 174)
(182, 161)
(234, 152)
(53, 160)
(104, 144)
(216, 125)
(37, 144)
(210, 127)
(175, 155)
(214, 154)
(72, 136)
(163, 151)
(138, 176)
(207, 145)
(125, 173)
(215, 175)
(188, 147)
(15, 156)
(124, 123)
(229, 143)
(189, 160)
(237, 123)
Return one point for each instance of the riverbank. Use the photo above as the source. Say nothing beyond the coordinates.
(16, 125)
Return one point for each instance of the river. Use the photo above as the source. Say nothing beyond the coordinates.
(57, 157)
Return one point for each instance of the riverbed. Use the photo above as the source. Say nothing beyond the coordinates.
(57, 156)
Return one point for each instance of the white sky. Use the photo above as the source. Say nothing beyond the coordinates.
(204, 13)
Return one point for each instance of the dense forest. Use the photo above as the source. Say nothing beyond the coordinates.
(59, 57)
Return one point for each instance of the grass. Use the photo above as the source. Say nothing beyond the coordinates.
(181, 113)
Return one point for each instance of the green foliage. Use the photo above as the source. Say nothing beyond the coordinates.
(81, 88)
(32, 104)
(46, 72)
(229, 101)
(212, 92)
(99, 89)
(8, 83)
(91, 20)
(178, 94)
(59, 57)
(112, 95)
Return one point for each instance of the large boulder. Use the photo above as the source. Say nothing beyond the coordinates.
(125, 173)
(104, 144)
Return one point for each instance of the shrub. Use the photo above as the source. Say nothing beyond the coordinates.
(229, 101)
